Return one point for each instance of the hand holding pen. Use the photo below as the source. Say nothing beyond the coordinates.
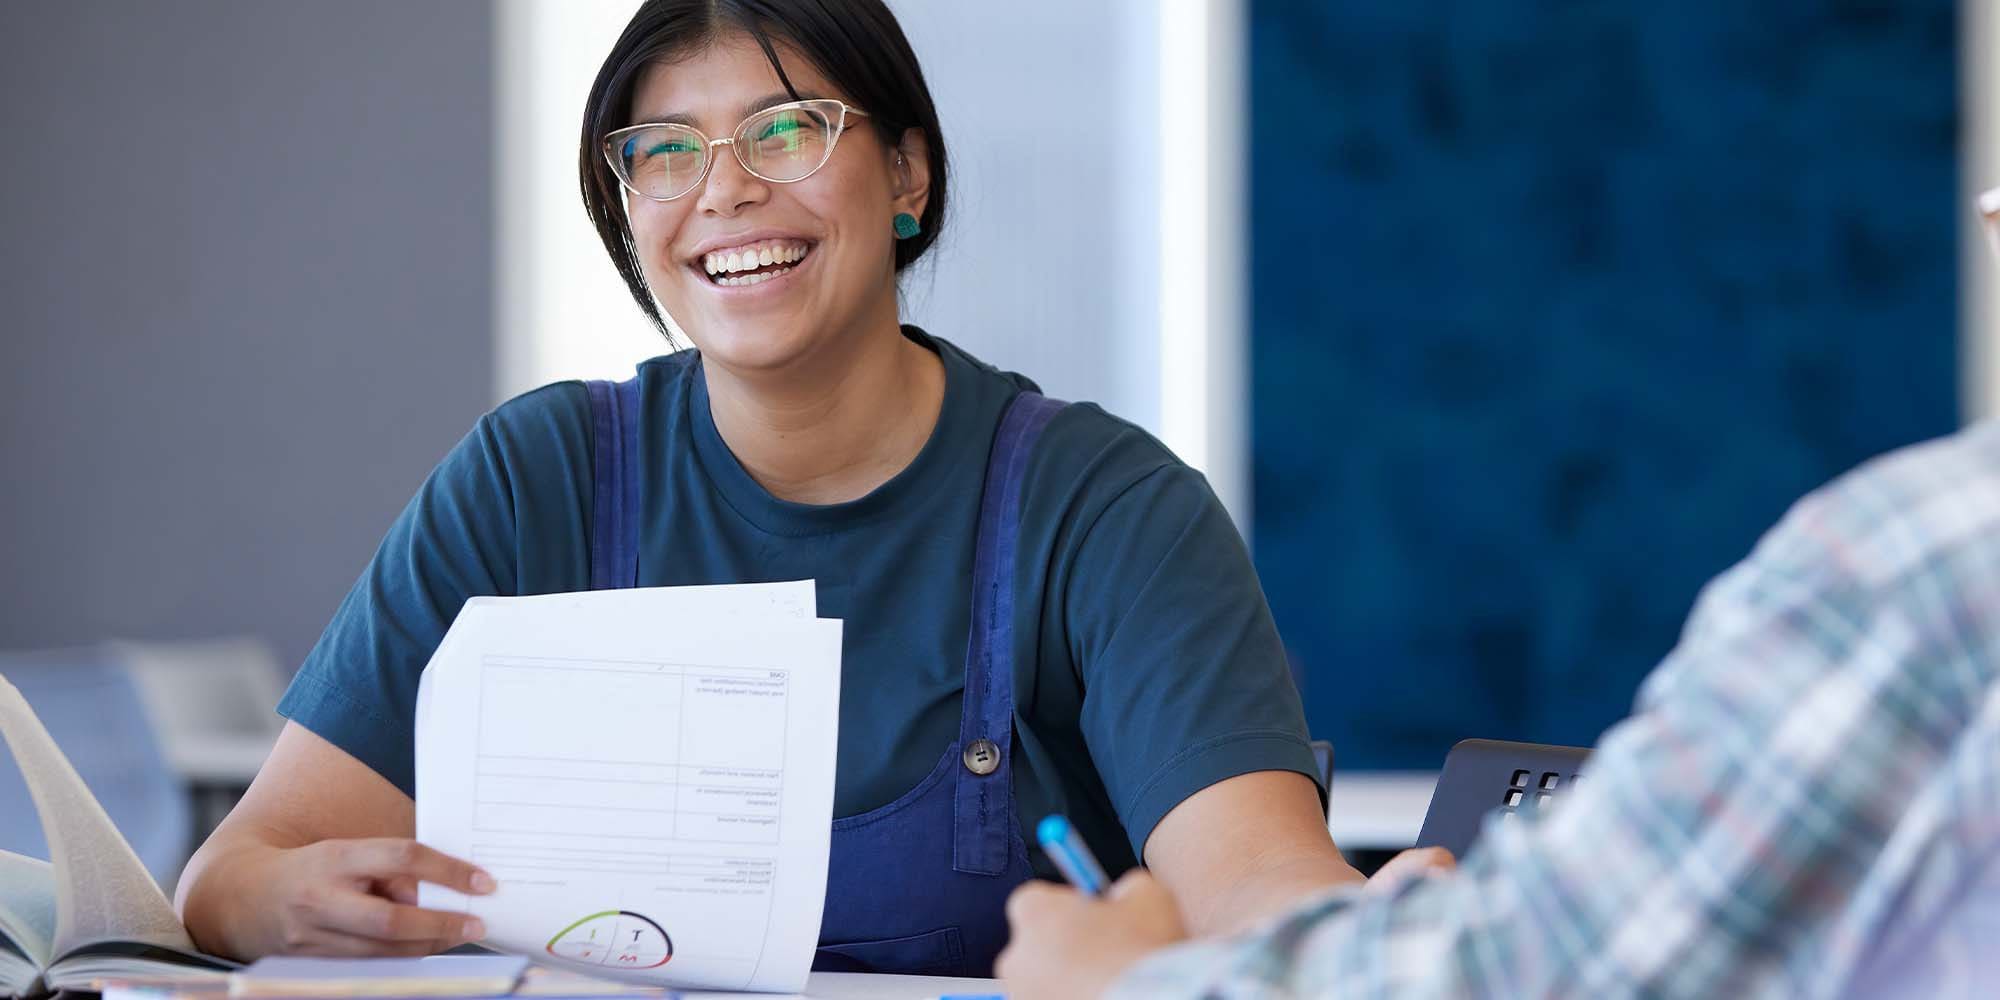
(1071, 855)
(1065, 942)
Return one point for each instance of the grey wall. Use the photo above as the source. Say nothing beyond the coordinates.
(246, 280)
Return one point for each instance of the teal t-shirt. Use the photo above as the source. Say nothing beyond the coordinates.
(1147, 663)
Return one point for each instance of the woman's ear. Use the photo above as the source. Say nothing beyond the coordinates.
(910, 175)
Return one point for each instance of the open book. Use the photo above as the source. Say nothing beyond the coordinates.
(92, 913)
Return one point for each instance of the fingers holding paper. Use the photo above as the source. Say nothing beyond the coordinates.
(405, 861)
(355, 897)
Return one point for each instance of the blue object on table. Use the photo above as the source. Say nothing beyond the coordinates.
(1067, 849)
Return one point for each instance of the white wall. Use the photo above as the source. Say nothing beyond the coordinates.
(1979, 169)
(1048, 262)
(1086, 252)
(1054, 261)
(1204, 205)
(560, 310)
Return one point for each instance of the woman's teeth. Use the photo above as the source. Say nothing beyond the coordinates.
(752, 279)
(753, 264)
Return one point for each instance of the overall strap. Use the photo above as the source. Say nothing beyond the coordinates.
(983, 809)
(614, 503)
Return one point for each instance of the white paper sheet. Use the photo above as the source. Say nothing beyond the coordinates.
(648, 774)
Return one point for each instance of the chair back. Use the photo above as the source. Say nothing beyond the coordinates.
(1484, 776)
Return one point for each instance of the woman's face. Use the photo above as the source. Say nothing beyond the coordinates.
(840, 217)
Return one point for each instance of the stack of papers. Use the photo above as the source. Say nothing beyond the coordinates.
(647, 773)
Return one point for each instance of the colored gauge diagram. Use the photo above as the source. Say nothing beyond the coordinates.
(620, 939)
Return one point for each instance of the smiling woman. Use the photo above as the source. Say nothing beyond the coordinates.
(1046, 610)
(859, 45)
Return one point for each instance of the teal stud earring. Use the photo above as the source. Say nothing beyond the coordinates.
(906, 226)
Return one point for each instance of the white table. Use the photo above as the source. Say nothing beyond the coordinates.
(1378, 810)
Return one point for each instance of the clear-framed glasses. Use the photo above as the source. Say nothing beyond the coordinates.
(781, 144)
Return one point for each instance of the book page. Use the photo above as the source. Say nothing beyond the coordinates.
(647, 774)
(27, 919)
(28, 905)
(102, 890)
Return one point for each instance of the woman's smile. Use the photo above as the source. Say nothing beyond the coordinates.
(756, 263)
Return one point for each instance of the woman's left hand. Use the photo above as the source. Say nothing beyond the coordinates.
(1064, 944)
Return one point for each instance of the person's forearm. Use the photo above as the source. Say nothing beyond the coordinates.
(1245, 849)
(214, 897)
(1268, 885)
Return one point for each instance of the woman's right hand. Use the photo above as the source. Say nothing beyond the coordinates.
(355, 898)
(317, 859)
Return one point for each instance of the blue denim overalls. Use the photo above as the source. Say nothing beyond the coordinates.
(919, 885)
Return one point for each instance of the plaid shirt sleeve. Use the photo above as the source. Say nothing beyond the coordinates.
(1825, 735)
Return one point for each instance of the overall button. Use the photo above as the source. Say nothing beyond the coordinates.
(982, 757)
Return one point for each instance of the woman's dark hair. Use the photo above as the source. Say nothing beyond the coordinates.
(857, 44)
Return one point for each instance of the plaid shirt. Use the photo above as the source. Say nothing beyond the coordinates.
(1806, 802)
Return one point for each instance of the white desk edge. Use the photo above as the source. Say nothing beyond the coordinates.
(1378, 810)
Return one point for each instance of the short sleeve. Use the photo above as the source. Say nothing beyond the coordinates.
(454, 540)
(1185, 680)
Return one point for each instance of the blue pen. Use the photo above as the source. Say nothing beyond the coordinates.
(1067, 849)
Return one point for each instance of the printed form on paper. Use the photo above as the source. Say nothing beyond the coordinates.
(647, 773)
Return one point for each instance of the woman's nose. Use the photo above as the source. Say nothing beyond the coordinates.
(728, 188)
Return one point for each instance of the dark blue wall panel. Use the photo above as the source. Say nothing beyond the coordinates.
(1556, 307)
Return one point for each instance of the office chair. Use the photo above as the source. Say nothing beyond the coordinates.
(1481, 776)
